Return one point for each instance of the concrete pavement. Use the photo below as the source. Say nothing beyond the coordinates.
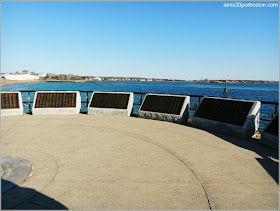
(111, 162)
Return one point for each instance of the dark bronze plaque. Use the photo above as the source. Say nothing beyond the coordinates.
(227, 111)
(273, 127)
(9, 100)
(163, 104)
(55, 100)
(110, 100)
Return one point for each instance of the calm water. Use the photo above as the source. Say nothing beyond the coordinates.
(249, 91)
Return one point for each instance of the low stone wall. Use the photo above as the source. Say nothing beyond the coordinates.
(232, 117)
(11, 104)
(111, 103)
(171, 108)
(56, 102)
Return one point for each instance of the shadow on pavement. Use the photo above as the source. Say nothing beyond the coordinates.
(26, 199)
(262, 150)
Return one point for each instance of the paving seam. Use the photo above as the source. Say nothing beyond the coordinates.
(170, 152)
(11, 126)
(146, 139)
(143, 138)
(46, 184)
(32, 172)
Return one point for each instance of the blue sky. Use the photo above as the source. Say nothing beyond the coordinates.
(175, 40)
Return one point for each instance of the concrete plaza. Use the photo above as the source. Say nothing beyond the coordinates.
(110, 162)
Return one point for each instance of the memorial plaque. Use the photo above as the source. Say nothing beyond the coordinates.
(55, 100)
(163, 104)
(11, 104)
(9, 100)
(111, 103)
(228, 116)
(171, 108)
(227, 111)
(110, 100)
(273, 127)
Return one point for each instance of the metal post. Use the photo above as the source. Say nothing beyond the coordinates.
(29, 102)
(87, 99)
(140, 99)
(225, 91)
(275, 112)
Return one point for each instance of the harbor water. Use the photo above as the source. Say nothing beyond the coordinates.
(249, 91)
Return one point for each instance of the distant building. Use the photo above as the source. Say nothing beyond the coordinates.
(26, 72)
(62, 76)
(97, 79)
(3, 75)
(42, 75)
(20, 77)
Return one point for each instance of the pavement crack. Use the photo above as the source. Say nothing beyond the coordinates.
(40, 192)
(146, 139)
(11, 126)
(184, 163)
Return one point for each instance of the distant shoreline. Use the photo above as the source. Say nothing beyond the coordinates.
(5, 82)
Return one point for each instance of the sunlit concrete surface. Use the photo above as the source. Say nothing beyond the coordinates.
(112, 162)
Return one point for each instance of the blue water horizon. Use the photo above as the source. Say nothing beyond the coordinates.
(248, 91)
